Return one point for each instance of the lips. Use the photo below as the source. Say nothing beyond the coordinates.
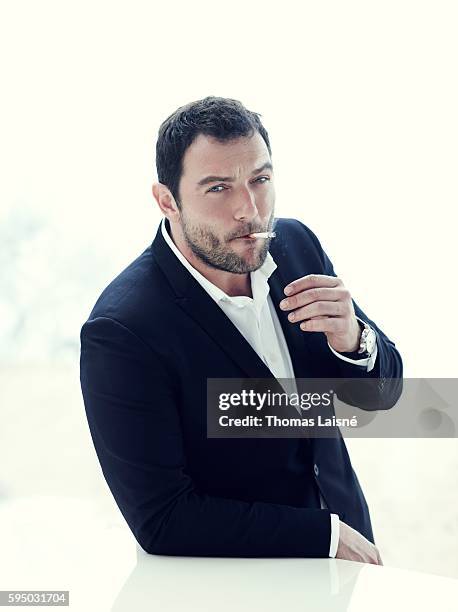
(246, 236)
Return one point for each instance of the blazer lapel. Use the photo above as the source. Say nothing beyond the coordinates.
(214, 321)
(195, 301)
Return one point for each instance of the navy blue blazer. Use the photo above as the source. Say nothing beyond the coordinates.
(147, 348)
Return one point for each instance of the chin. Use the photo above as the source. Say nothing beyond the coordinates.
(253, 263)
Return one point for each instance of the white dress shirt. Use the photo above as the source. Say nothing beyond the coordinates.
(257, 321)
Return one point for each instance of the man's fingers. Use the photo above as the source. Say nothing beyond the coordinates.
(334, 325)
(318, 309)
(376, 558)
(302, 298)
(311, 280)
(355, 547)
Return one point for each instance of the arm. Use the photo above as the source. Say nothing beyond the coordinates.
(387, 370)
(388, 363)
(366, 362)
(131, 407)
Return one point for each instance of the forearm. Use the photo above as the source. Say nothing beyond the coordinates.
(201, 525)
(132, 413)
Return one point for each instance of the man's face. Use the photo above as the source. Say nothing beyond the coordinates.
(227, 191)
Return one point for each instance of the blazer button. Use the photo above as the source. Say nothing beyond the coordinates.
(316, 470)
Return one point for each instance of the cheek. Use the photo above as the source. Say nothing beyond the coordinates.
(206, 215)
(216, 215)
(269, 198)
(266, 207)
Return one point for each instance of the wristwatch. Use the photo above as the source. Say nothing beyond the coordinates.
(367, 342)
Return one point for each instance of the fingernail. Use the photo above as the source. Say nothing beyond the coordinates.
(288, 289)
(284, 304)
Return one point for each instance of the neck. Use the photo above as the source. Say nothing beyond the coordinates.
(232, 284)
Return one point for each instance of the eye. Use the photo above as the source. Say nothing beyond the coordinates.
(215, 187)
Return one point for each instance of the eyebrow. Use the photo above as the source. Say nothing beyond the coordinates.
(231, 179)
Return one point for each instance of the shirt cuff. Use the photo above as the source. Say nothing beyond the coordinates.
(335, 533)
(366, 362)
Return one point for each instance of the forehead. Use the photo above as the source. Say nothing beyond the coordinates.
(206, 155)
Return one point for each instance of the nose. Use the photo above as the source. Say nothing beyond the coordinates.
(246, 208)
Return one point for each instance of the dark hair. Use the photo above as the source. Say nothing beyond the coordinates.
(222, 118)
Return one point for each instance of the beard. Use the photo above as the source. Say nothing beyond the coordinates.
(217, 253)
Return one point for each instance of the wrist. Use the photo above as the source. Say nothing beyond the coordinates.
(354, 349)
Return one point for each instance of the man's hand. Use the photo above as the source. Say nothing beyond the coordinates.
(322, 303)
(354, 547)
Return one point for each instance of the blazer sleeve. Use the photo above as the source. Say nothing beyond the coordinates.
(388, 368)
(132, 411)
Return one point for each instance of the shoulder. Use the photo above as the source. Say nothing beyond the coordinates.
(295, 238)
(130, 297)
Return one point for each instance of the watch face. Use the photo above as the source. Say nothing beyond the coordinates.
(370, 341)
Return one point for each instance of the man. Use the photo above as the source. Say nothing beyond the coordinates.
(206, 300)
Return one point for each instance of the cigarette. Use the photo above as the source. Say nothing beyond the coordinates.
(263, 235)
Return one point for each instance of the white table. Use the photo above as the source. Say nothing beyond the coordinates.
(54, 543)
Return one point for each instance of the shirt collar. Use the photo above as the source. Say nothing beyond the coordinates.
(259, 277)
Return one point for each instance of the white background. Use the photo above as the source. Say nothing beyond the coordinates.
(359, 99)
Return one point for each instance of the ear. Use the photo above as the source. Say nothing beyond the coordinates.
(165, 200)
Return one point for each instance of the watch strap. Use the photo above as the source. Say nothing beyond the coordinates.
(360, 353)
